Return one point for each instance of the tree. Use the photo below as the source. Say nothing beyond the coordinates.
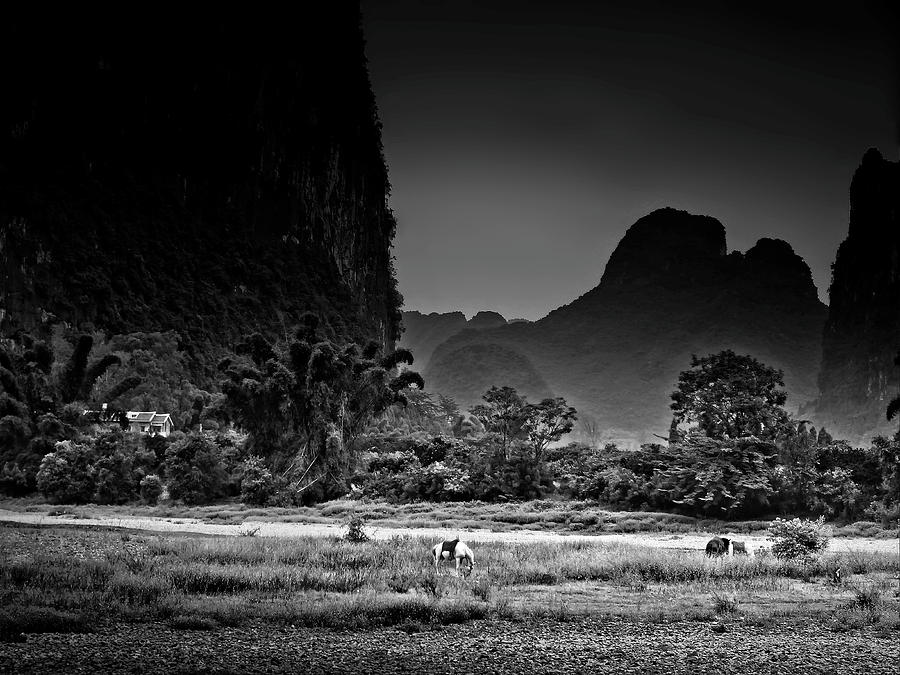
(194, 470)
(546, 422)
(504, 412)
(589, 430)
(731, 396)
(306, 401)
(65, 475)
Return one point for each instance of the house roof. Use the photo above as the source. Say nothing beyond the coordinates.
(141, 416)
(161, 418)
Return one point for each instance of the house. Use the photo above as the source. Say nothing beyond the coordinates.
(152, 423)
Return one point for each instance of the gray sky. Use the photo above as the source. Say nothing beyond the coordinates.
(523, 139)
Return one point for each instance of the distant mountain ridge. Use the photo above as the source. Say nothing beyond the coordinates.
(423, 332)
(669, 290)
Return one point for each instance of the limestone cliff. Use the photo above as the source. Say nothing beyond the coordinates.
(213, 173)
(862, 334)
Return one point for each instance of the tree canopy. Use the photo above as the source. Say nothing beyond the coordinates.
(730, 396)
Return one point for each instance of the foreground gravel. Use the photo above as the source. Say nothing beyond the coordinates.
(584, 646)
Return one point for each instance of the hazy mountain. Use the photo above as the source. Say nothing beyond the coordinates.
(152, 180)
(668, 291)
(862, 334)
(423, 332)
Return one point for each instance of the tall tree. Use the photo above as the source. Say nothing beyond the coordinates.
(546, 422)
(504, 412)
(731, 396)
(305, 401)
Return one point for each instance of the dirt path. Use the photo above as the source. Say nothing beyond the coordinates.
(674, 541)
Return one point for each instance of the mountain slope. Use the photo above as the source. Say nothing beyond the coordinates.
(213, 173)
(668, 291)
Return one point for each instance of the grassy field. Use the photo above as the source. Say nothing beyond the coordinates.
(56, 578)
(539, 515)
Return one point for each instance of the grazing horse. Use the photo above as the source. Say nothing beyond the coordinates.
(739, 547)
(453, 549)
(717, 546)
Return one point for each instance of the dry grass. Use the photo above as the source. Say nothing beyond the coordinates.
(206, 582)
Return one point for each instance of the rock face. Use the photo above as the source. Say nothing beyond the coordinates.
(862, 335)
(668, 291)
(423, 332)
(209, 173)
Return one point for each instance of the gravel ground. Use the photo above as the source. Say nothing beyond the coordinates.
(594, 646)
(676, 541)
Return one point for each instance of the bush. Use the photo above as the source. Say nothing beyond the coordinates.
(798, 539)
(257, 483)
(355, 531)
(65, 475)
(194, 469)
(151, 489)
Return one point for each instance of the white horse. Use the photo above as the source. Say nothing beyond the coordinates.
(455, 549)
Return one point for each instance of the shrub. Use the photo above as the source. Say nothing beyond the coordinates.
(355, 531)
(65, 475)
(723, 604)
(151, 488)
(257, 483)
(798, 539)
(194, 469)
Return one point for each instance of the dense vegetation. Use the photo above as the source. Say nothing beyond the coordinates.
(308, 418)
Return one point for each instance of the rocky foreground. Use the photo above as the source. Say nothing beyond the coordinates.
(584, 646)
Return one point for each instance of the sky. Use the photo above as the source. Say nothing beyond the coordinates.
(523, 139)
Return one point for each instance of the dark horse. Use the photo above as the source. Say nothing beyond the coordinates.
(717, 546)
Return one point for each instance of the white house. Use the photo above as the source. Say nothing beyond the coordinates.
(150, 422)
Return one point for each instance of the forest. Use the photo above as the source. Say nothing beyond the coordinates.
(310, 418)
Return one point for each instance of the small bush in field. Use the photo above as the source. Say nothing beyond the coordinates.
(151, 488)
(798, 539)
(724, 605)
(481, 589)
(355, 531)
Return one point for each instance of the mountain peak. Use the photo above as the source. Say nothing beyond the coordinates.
(662, 241)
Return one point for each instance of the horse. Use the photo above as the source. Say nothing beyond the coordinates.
(717, 546)
(453, 549)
